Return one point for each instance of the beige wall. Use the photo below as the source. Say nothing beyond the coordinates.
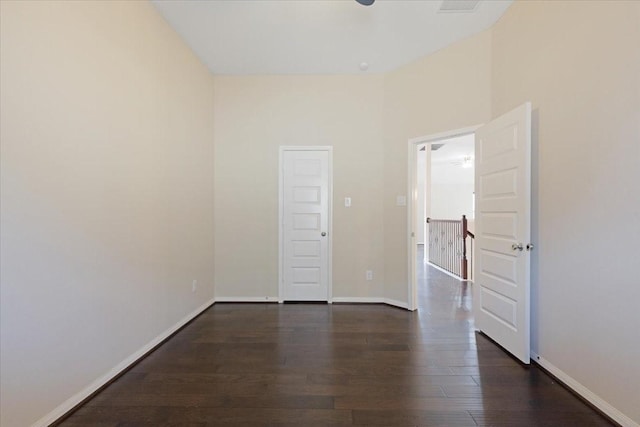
(107, 193)
(254, 116)
(579, 64)
(368, 120)
(445, 91)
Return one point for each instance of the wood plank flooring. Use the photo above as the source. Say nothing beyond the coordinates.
(336, 365)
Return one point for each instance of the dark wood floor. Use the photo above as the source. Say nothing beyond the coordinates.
(323, 365)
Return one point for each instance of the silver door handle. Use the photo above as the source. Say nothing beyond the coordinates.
(323, 234)
(517, 247)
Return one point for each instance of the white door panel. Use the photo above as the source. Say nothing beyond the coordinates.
(503, 193)
(305, 224)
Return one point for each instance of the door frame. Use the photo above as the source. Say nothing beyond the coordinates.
(282, 150)
(412, 191)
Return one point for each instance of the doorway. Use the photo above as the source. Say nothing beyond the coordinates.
(501, 291)
(415, 220)
(446, 195)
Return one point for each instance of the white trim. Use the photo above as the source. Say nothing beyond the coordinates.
(282, 149)
(248, 299)
(397, 303)
(411, 201)
(348, 300)
(74, 400)
(280, 228)
(583, 391)
(412, 248)
(359, 300)
(444, 135)
(370, 300)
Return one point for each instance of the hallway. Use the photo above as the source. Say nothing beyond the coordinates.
(340, 364)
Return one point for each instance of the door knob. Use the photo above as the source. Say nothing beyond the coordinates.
(323, 234)
(517, 246)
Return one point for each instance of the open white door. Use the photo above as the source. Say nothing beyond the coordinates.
(503, 205)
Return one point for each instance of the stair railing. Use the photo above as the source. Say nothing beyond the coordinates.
(448, 246)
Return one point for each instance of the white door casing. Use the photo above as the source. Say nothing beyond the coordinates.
(501, 294)
(305, 223)
(412, 188)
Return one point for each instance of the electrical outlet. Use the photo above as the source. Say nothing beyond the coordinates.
(369, 274)
(194, 285)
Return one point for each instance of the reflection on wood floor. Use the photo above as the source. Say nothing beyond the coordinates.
(324, 365)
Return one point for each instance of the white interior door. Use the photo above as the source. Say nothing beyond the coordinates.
(305, 201)
(503, 195)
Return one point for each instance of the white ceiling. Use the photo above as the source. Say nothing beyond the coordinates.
(320, 36)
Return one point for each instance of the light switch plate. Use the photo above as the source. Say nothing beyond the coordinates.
(347, 202)
(401, 200)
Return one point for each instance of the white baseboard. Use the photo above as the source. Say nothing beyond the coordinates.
(247, 299)
(70, 403)
(352, 300)
(358, 300)
(370, 300)
(396, 303)
(583, 391)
